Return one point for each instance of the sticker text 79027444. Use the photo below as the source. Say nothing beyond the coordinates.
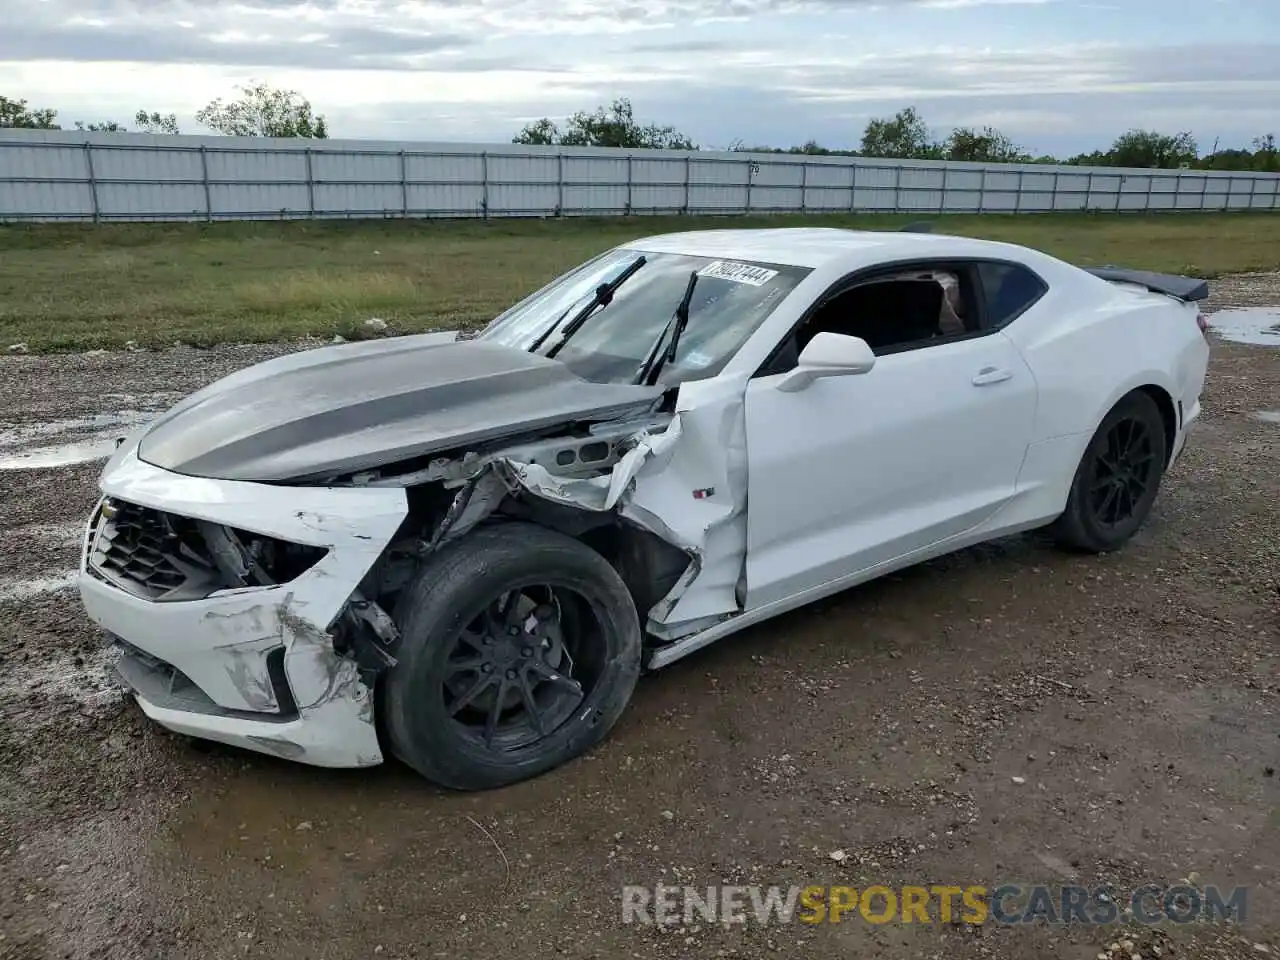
(738, 272)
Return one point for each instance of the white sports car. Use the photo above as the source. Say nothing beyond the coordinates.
(464, 551)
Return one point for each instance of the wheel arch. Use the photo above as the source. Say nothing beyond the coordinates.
(1154, 385)
(648, 565)
(1168, 414)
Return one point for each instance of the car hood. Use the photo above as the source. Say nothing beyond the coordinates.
(349, 407)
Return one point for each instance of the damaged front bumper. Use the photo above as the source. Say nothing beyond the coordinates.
(254, 666)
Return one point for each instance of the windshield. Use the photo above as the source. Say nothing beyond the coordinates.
(730, 300)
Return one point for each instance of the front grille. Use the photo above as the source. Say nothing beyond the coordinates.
(164, 556)
(152, 554)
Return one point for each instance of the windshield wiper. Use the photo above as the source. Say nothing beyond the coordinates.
(602, 298)
(658, 357)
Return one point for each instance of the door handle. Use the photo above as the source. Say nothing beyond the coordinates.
(989, 375)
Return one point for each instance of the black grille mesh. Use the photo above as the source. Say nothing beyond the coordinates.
(152, 554)
(165, 556)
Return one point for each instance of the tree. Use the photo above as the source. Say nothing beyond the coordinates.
(16, 113)
(1147, 148)
(155, 122)
(106, 126)
(1229, 159)
(1264, 154)
(1095, 159)
(540, 132)
(263, 111)
(904, 136)
(983, 146)
(612, 127)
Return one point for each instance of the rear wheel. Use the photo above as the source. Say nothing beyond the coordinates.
(1117, 479)
(520, 648)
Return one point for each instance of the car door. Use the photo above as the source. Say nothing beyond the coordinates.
(856, 470)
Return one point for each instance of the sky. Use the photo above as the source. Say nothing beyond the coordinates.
(1058, 76)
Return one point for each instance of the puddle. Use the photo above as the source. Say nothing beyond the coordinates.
(96, 436)
(1253, 325)
(1268, 416)
(12, 588)
(61, 455)
(97, 423)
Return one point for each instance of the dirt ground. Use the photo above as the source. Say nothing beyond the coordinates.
(1010, 713)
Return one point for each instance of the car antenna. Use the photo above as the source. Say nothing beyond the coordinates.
(654, 362)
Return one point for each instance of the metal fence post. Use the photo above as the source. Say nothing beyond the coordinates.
(404, 186)
(1151, 183)
(311, 186)
(484, 184)
(853, 185)
(688, 163)
(1253, 190)
(93, 180)
(1119, 193)
(1053, 191)
(1088, 191)
(204, 179)
(897, 188)
(804, 184)
(559, 184)
(628, 208)
(1017, 197)
(1204, 192)
(751, 167)
(982, 191)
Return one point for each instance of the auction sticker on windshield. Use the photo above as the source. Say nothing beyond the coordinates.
(738, 272)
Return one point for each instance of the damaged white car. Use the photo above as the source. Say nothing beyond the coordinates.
(463, 552)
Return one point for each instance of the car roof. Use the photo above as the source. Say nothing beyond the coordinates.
(822, 246)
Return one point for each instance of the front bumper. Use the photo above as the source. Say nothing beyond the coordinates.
(254, 667)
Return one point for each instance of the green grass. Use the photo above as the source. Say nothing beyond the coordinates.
(77, 287)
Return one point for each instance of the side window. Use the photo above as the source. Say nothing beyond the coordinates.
(1008, 290)
(898, 311)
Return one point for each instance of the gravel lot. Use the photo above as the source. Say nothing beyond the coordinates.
(1007, 713)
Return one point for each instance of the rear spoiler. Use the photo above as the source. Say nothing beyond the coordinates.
(1189, 289)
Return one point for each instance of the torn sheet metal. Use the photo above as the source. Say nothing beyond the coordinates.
(473, 503)
(593, 493)
(697, 492)
(687, 485)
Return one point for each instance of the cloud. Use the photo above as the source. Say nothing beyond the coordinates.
(765, 71)
(349, 31)
(219, 33)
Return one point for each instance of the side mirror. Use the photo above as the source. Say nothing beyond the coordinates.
(829, 355)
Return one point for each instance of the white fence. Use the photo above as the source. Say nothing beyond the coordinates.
(65, 175)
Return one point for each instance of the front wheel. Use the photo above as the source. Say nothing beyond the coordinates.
(1117, 479)
(520, 647)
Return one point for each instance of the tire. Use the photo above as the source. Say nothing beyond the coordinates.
(471, 730)
(1104, 509)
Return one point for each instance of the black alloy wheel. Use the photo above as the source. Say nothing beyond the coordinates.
(1118, 477)
(1122, 472)
(513, 676)
(519, 649)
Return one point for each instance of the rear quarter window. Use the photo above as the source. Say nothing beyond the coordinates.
(1008, 290)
